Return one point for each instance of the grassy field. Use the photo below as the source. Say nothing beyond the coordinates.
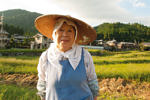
(133, 65)
(19, 64)
(12, 92)
(128, 64)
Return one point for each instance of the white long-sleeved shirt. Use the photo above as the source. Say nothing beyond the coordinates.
(52, 56)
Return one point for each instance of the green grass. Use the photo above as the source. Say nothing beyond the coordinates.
(133, 65)
(130, 65)
(19, 64)
(107, 96)
(12, 92)
(126, 64)
(20, 50)
(139, 72)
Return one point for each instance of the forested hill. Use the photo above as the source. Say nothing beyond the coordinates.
(123, 32)
(21, 22)
(20, 18)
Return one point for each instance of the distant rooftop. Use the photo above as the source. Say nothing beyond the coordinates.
(3, 32)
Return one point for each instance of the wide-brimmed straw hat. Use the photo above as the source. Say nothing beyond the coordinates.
(85, 33)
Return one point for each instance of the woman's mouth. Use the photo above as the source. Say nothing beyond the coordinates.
(64, 40)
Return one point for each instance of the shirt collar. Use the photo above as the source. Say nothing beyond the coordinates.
(73, 55)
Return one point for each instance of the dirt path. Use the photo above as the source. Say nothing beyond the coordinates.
(111, 86)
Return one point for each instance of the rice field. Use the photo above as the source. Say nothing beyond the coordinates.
(13, 92)
(18, 64)
(130, 65)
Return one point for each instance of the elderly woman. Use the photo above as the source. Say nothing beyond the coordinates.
(66, 70)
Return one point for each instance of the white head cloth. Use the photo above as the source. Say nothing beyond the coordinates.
(59, 23)
(73, 55)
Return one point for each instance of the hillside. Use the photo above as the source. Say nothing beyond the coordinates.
(20, 18)
(123, 32)
(23, 22)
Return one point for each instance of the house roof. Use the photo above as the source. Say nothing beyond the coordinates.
(3, 32)
(38, 35)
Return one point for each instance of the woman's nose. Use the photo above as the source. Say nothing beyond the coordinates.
(65, 33)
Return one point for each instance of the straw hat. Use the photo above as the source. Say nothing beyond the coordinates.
(45, 25)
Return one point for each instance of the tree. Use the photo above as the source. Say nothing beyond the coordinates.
(123, 32)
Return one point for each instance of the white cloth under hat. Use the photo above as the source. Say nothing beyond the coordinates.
(59, 23)
(73, 55)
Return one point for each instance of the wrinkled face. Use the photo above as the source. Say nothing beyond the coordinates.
(65, 37)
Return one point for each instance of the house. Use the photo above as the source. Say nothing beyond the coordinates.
(145, 46)
(18, 38)
(111, 45)
(114, 45)
(3, 35)
(99, 42)
(40, 42)
(126, 45)
(4, 40)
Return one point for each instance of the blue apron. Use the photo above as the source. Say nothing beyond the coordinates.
(71, 85)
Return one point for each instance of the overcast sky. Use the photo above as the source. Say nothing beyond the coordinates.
(94, 12)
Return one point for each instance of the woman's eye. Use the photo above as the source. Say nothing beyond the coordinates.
(61, 30)
(69, 30)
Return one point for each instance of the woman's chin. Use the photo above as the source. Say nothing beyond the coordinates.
(65, 44)
(65, 47)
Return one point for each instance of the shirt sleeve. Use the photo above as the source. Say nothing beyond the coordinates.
(91, 74)
(41, 84)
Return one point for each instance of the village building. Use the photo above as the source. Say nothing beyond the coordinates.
(145, 46)
(3, 35)
(126, 45)
(20, 41)
(18, 38)
(99, 42)
(40, 42)
(110, 45)
(115, 46)
(3, 38)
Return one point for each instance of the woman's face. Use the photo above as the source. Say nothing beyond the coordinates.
(65, 37)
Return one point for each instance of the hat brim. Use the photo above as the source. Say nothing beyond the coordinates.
(45, 25)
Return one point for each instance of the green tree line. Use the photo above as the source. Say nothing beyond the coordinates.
(123, 32)
(18, 21)
(11, 29)
(22, 18)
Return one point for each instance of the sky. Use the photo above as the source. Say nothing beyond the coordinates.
(93, 12)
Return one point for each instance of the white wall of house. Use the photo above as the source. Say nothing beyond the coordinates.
(3, 39)
(40, 42)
